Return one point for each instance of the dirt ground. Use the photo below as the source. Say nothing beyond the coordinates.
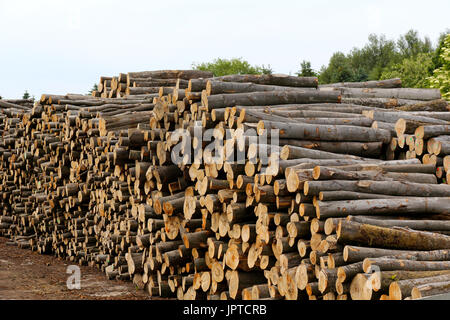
(27, 275)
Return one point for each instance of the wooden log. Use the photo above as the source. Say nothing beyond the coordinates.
(329, 173)
(349, 195)
(397, 93)
(267, 98)
(379, 187)
(239, 280)
(381, 280)
(423, 225)
(219, 87)
(429, 131)
(324, 132)
(391, 206)
(434, 105)
(272, 79)
(352, 254)
(386, 264)
(388, 83)
(402, 288)
(171, 74)
(380, 237)
(362, 149)
(430, 289)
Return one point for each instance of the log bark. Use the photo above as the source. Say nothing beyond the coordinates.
(324, 132)
(272, 79)
(368, 235)
(393, 188)
(267, 98)
(392, 206)
(388, 83)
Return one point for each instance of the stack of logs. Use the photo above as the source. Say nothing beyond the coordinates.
(345, 207)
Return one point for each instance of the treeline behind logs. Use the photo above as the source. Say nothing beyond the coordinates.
(357, 184)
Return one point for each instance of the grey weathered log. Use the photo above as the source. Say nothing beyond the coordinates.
(324, 132)
(423, 225)
(388, 83)
(397, 93)
(353, 232)
(394, 206)
(219, 87)
(362, 149)
(272, 79)
(267, 98)
(396, 188)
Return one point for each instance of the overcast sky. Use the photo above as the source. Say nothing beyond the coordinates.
(62, 46)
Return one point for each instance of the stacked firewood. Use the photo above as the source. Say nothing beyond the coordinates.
(419, 131)
(133, 182)
(146, 83)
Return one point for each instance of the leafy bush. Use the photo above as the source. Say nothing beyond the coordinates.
(441, 76)
(221, 67)
(413, 71)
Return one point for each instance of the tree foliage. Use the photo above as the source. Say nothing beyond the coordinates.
(26, 95)
(380, 57)
(413, 71)
(221, 67)
(94, 88)
(306, 70)
(441, 76)
(339, 69)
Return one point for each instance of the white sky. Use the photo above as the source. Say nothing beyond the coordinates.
(61, 46)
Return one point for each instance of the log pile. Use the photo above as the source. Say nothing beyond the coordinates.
(112, 180)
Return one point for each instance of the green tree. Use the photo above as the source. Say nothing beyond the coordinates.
(221, 67)
(266, 70)
(441, 76)
(94, 88)
(378, 57)
(339, 70)
(306, 70)
(26, 95)
(410, 44)
(437, 59)
(413, 71)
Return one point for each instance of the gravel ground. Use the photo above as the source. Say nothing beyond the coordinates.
(27, 275)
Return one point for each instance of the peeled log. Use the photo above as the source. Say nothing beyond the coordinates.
(374, 236)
